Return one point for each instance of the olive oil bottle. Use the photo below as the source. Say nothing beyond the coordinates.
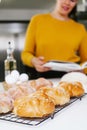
(10, 62)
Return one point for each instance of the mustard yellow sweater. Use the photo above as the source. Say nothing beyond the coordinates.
(55, 40)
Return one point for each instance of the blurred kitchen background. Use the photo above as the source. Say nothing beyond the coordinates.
(14, 18)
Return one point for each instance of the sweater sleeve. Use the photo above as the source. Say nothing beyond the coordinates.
(83, 47)
(29, 47)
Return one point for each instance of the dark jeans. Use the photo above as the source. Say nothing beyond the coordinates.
(33, 74)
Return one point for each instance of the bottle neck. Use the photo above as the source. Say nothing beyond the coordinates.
(10, 56)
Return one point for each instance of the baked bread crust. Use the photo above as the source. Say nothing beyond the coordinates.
(75, 89)
(57, 95)
(34, 106)
(6, 103)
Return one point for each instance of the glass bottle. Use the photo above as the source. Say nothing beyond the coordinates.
(10, 62)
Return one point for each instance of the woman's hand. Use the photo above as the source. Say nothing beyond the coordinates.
(38, 64)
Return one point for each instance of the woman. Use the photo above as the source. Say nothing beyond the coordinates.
(54, 36)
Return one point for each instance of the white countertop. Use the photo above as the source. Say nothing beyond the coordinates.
(74, 117)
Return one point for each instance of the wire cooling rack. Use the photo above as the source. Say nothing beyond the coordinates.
(36, 121)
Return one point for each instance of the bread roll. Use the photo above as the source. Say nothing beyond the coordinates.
(76, 77)
(6, 103)
(58, 96)
(40, 82)
(19, 91)
(75, 89)
(33, 106)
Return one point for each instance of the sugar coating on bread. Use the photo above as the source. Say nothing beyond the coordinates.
(33, 106)
(57, 95)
